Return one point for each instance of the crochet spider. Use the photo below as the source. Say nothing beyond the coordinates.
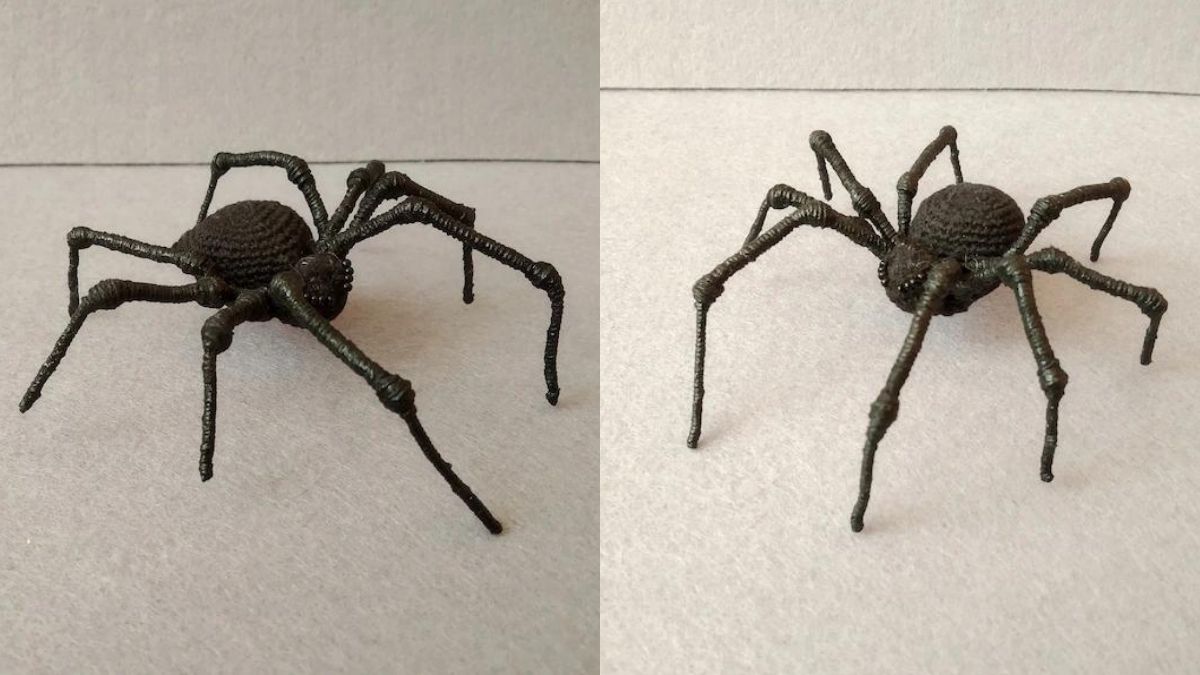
(964, 242)
(257, 260)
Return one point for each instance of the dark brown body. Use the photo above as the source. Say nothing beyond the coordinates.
(248, 243)
(964, 221)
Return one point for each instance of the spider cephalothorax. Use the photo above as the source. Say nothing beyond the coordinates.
(965, 241)
(258, 260)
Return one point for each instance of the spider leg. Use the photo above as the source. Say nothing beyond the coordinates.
(395, 185)
(887, 406)
(297, 172)
(216, 336)
(542, 275)
(1047, 209)
(1015, 272)
(112, 293)
(396, 393)
(906, 187)
(356, 184)
(710, 286)
(864, 201)
(1150, 301)
(80, 238)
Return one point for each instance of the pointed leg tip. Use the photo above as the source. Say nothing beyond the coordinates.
(27, 402)
(1146, 359)
(494, 527)
(693, 441)
(552, 396)
(1094, 256)
(856, 524)
(468, 298)
(206, 475)
(1047, 477)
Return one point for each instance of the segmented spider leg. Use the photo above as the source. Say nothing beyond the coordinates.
(356, 184)
(906, 187)
(297, 172)
(395, 185)
(710, 286)
(80, 238)
(783, 196)
(396, 393)
(887, 405)
(864, 201)
(1015, 272)
(1047, 209)
(215, 336)
(542, 275)
(110, 294)
(1150, 301)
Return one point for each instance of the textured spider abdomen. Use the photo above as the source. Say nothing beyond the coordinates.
(247, 243)
(967, 220)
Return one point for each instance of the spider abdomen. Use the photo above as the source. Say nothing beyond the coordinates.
(967, 220)
(247, 243)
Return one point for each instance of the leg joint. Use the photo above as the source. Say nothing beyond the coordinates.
(396, 393)
(884, 411)
(1053, 379)
(545, 277)
(214, 293)
(80, 237)
(216, 335)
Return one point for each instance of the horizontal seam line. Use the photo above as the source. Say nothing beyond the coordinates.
(1143, 92)
(310, 162)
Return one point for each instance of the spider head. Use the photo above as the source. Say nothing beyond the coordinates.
(327, 282)
(902, 273)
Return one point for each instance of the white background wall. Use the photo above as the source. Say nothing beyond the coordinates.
(121, 81)
(1075, 44)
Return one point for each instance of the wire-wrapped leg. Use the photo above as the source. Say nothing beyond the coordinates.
(215, 337)
(1150, 301)
(542, 275)
(1047, 209)
(887, 405)
(110, 294)
(80, 238)
(710, 286)
(1014, 271)
(357, 183)
(395, 185)
(396, 393)
(297, 172)
(864, 201)
(906, 187)
(783, 196)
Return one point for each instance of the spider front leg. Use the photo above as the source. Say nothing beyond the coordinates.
(395, 185)
(1014, 271)
(709, 287)
(906, 187)
(1047, 209)
(395, 392)
(887, 406)
(112, 293)
(216, 336)
(80, 238)
(542, 275)
(864, 201)
(1150, 301)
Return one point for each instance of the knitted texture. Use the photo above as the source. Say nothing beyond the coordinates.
(248, 243)
(967, 220)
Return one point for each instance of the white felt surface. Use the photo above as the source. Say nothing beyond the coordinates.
(738, 556)
(831, 44)
(326, 542)
(170, 80)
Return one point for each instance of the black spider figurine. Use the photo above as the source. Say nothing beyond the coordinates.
(964, 242)
(257, 260)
